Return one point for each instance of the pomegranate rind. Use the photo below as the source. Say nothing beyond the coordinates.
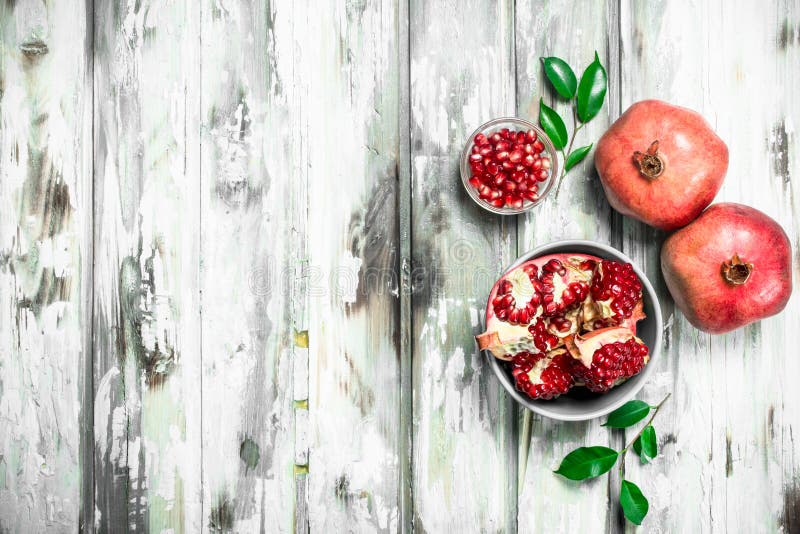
(692, 258)
(695, 163)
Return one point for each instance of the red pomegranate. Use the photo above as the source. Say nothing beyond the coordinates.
(730, 267)
(534, 307)
(605, 357)
(661, 164)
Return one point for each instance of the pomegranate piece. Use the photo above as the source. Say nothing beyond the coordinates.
(543, 376)
(730, 267)
(616, 290)
(661, 164)
(607, 357)
(502, 160)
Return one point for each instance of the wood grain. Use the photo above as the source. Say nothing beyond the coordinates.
(146, 305)
(353, 245)
(464, 454)
(45, 264)
(580, 211)
(253, 207)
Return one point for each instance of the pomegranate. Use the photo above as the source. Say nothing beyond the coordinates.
(507, 167)
(604, 358)
(661, 164)
(730, 267)
(541, 314)
(543, 376)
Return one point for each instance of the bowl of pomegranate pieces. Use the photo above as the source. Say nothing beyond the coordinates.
(508, 165)
(572, 329)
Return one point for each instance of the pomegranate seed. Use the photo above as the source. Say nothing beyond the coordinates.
(509, 186)
(492, 168)
(504, 133)
(475, 157)
(501, 156)
(507, 165)
(530, 195)
(496, 138)
(531, 135)
(480, 139)
(537, 164)
(501, 146)
(485, 151)
(542, 175)
(520, 137)
(516, 201)
(475, 149)
(474, 182)
(545, 163)
(529, 160)
(515, 156)
(538, 146)
(498, 203)
(529, 149)
(499, 179)
(476, 166)
(518, 176)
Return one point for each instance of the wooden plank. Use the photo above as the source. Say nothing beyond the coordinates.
(253, 207)
(351, 120)
(464, 450)
(727, 432)
(573, 32)
(45, 264)
(146, 306)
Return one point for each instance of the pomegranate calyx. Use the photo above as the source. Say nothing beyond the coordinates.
(735, 271)
(650, 164)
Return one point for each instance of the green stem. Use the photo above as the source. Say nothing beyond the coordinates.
(575, 129)
(624, 451)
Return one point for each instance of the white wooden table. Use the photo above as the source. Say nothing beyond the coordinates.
(240, 278)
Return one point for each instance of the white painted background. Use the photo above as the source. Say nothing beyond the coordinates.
(239, 277)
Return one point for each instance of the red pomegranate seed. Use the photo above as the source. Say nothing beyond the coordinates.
(507, 165)
(480, 139)
(538, 146)
(502, 145)
(531, 135)
(529, 160)
(545, 163)
(474, 182)
(499, 179)
(520, 137)
(518, 176)
(530, 195)
(475, 157)
(501, 156)
(537, 164)
(498, 203)
(542, 175)
(492, 168)
(515, 156)
(485, 151)
(504, 133)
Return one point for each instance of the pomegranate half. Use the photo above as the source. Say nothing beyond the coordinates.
(730, 267)
(661, 164)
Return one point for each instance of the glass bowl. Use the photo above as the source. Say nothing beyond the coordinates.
(515, 124)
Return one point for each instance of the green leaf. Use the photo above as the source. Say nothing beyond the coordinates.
(561, 76)
(576, 156)
(634, 503)
(637, 446)
(592, 90)
(628, 414)
(648, 445)
(552, 125)
(587, 462)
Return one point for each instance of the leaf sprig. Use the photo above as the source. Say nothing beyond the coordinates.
(587, 99)
(591, 462)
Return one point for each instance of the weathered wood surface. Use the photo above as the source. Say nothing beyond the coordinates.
(45, 265)
(240, 276)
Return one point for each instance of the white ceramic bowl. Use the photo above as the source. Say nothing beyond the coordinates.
(580, 404)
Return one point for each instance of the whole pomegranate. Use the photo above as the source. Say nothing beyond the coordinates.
(730, 267)
(661, 164)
